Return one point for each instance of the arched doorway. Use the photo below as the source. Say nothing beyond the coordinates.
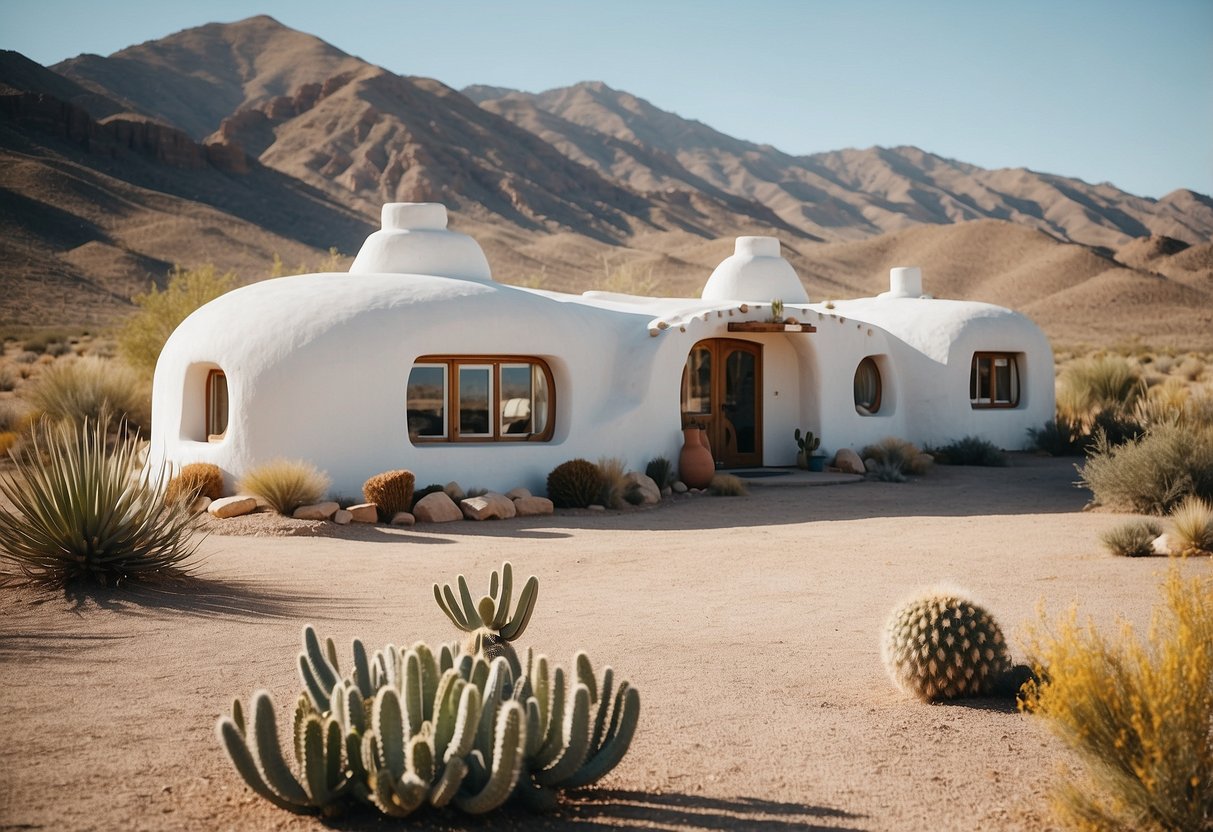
(722, 392)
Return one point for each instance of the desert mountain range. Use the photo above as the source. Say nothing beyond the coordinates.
(230, 143)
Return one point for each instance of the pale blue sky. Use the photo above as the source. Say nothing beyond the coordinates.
(1105, 91)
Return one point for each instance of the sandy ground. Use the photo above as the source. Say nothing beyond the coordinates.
(750, 626)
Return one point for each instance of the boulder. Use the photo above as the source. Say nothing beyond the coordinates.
(533, 506)
(848, 462)
(870, 464)
(1162, 544)
(455, 491)
(342, 517)
(237, 506)
(364, 513)
(491, 506)
(517, 493)
(200, 505)
(316, 511)
(635, 481)
(679, 487)
(596, 507)
(403, 518)
(436, 508)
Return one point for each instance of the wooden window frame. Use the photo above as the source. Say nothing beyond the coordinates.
(451, 417)
(875, 408)
(1016, 381)
(211, 436)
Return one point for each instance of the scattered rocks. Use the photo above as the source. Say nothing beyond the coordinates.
(316, 511)
(237, 506)
(436, 508)
(848, 462)
(517, 493)
(342, 517)
(533, 506)
(596, 507)
(200, 505)
(364, 513)
(679, 487)
(642, 484)
(667, 491)
(491, 506)
(403, 518)
(455, 491)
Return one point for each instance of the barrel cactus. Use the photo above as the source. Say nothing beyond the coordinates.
(574, 484)
(391, 492)
(488, 621)
(941, 645)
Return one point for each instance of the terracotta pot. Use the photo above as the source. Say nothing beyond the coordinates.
(703, 438)
(695, 465)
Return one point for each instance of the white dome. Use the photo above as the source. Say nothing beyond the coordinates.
(415, 240)
(755, 272)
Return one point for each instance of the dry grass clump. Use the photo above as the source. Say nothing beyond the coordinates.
(1193, 522)
(1139, 715)
(1134, 539)
(87, 510)
(90, 388)
(727, 485)
(896, 456)
(391, 492)
(611, 471)
(1098, 383)
(285, 484)
(8, 379)
(196, 479)
(1152, 474)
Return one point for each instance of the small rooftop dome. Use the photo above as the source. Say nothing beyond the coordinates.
(415, 240)
(755, 272)
(904, 282)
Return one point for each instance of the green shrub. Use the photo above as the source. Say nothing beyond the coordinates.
(196, 479)
(1193, 522)
(143, 334)
(727, 485)
(972, 450)
(90, 388)
(391, 492)
(286, 484)
(661, 471)
(574, 484)
(89, 512)
(611, 471)
(1134, 539)
(1139, 716)
(1154, 473)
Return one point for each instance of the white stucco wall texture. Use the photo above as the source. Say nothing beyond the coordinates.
(317, 365)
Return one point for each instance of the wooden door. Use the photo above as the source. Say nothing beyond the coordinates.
(722, 392)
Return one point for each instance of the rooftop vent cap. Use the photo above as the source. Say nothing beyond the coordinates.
(755, 272)
(415, 240)
(904, 282)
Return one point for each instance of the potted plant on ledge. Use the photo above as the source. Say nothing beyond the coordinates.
(805, 458)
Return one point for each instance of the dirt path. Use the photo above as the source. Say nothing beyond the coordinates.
(749, 625)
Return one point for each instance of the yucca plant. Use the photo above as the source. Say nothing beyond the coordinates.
(83, 510)
(285, 484)
(1139, 715)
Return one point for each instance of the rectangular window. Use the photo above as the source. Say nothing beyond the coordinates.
(994, 380)
(216, 405)
(427, 401)
(480, 398)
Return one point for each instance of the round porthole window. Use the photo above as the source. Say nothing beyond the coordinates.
(867, 387)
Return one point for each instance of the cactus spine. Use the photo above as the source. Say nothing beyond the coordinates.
(941, 645)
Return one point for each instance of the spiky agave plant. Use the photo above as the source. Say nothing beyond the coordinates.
(85, 510)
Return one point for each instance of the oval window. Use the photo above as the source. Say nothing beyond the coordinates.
(867, 387)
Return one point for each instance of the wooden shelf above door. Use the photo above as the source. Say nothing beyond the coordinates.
(763, 326)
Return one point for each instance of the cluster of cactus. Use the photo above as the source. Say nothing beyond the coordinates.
(391, 492)
(409, 727)
(197, 479)
(488, 622)
(940, 645)
(574, 484)
(807, 443)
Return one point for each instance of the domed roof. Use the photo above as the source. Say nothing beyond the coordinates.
(755, 272)
(415, 240)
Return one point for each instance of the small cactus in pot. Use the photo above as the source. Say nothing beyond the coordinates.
(807, 445)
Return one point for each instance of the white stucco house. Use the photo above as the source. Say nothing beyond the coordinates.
(418, 359)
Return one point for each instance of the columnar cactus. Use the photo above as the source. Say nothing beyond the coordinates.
(941, 645)
(488, 622)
